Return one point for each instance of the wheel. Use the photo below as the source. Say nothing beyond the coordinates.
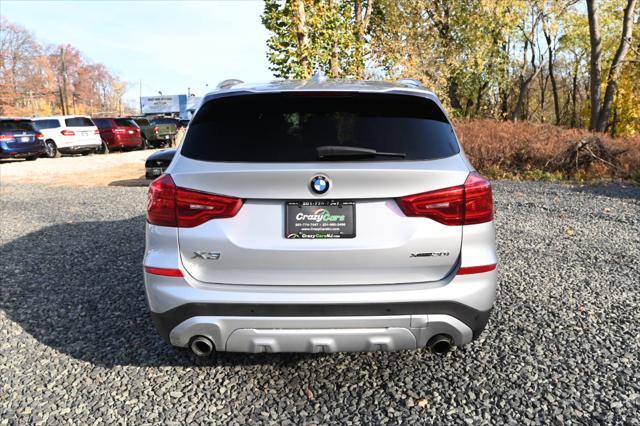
(51, 150)
(144, 143)
(31, 158)
(104, 149)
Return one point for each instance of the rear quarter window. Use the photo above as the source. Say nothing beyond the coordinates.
(288, 127)
(78, 122)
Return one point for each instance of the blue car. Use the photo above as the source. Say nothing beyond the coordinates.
(20, 139)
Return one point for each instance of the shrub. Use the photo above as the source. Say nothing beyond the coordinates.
(542, 151)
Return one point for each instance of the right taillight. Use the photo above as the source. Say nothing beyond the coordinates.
(169, 205)
(467, 204)
(155, 130)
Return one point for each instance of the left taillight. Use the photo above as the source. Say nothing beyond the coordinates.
(169, 205)
(467, 204)
(67, 133)
(39, 136)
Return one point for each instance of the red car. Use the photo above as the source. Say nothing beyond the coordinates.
(118, 133)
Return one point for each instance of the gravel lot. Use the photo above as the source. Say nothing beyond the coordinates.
(76, 342)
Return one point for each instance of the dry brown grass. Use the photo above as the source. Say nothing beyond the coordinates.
(532, 150)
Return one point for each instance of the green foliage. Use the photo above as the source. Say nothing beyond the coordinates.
(329, 29)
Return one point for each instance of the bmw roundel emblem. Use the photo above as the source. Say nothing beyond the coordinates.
(320, 184)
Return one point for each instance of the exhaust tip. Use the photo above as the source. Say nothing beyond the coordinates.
(440, 344)
(202, 346)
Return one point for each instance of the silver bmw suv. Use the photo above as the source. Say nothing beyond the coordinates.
(320, 216)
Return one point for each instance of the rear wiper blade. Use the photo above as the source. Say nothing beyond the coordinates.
(334, 151)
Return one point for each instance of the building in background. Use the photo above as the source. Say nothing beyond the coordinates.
(179, 106)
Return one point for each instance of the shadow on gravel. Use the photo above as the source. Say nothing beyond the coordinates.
(78, 288)
(626, 192)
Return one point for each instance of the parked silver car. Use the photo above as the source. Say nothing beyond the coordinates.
(320, 216)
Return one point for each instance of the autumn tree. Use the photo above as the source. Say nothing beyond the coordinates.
(310, 35)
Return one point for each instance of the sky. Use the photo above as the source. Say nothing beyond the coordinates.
(168, 45)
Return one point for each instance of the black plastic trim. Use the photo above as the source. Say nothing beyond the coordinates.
(167, 321)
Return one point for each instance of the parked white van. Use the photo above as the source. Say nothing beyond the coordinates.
(68, 134)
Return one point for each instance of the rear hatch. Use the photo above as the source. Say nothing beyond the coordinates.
(84, 131)
(126, 131)
(319, 205)
(19, 135)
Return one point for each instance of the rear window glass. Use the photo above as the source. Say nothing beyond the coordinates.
(163, 121)
(124, 122)
(141, 121)
(47, 124)
(78, 122)
(16, 126)
(289, 127)
(102, 123)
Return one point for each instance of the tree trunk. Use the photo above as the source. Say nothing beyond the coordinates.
(574, 95)
(335, 52)
(616, 66)
(595, 74)
(300, 22)
(362, 24)
(554, 85)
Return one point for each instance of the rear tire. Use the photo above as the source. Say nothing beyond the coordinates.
(144, 144)
(31, 158)
(51, 150)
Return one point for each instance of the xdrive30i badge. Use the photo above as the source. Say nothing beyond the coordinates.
(430, 254)
(320, 184)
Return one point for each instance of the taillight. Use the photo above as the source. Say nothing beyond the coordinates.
(466, 204)
(169, 205)
(5, 137)
(119, 130)
(96, 132)
(39, 136)
(155, 130)
(68, 133)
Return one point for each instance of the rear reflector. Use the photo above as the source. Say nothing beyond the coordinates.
(68, 133)
(165, 272)
(468, 270)
(169, 205)
(466, 204)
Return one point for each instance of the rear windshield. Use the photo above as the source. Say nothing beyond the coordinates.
(288, 127)
(141, 121)
(78, 122)
(102, 123)
(16, 126)
(163, 121)
(47, 124)
(125, 122)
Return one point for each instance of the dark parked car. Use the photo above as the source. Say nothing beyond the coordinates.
(168, 121)
(20, 139)
(155, 135)
(118, 133)
(158, 162)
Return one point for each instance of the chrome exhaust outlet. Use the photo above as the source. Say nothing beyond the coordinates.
(202, 346)
(440, 344)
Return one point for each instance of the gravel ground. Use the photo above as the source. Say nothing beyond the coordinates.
(76, 342)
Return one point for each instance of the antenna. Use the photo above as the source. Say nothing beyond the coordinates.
(411, 82)
(319, 77)
(226, 84)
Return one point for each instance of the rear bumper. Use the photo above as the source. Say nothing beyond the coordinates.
(21, 153)
(78, 148)
(317, 319)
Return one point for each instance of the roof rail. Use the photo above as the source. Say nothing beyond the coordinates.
(228, 83)
(411, 82)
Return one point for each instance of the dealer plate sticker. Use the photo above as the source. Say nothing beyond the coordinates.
(320, 219)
